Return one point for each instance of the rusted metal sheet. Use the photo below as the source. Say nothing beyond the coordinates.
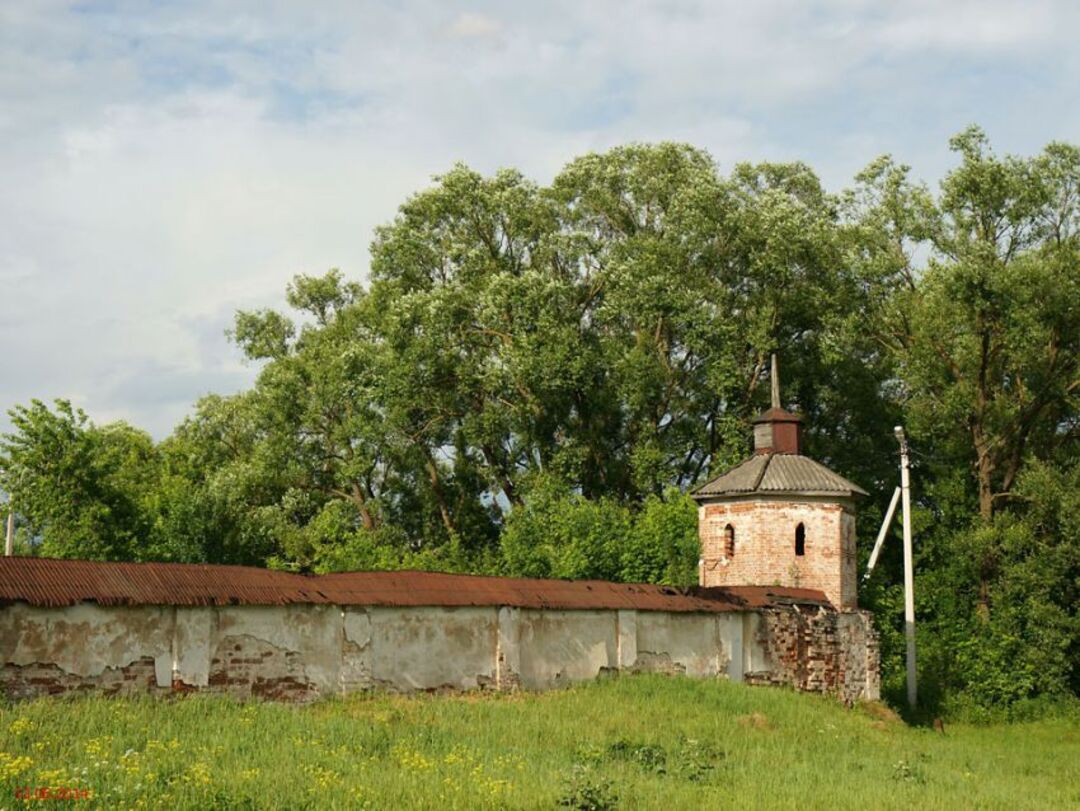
(50, 582)
(776, 473)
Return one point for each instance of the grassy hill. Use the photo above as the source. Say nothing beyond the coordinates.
(644, 742)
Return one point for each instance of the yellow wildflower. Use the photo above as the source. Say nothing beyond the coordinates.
(410, 759)
(53, 777)
(197, 773)
(13, 765)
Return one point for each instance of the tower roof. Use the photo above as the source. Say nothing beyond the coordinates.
(779, 474)
(776, 414)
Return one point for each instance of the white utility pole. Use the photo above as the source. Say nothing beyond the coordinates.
(9, 544)
(909, 568)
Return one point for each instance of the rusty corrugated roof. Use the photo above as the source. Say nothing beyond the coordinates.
(50, 582)
(779, 473)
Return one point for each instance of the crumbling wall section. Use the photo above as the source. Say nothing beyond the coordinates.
(85, 647)
(300, 652)
(817, 649)
(36, 679)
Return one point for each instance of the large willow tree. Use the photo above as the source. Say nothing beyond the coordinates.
(609, 332)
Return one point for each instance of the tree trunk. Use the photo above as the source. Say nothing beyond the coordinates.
(436, 488)
(499, 472)
(984, 461)
(361, 504)
(984, 466)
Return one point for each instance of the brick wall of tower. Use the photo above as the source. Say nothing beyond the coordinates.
(765, 546)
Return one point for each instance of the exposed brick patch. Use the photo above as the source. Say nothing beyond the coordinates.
(244, 666)
(181, 687)
(33, 680)
(649, 662)
(820, 650)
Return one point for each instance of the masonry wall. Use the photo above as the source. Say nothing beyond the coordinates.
(301, 652)
(818, 650)
(765, 545)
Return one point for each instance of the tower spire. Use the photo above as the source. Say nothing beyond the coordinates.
(777, 430)
(775, 380)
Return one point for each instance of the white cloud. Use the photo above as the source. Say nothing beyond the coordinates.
(974, 25)
(470, 25)
(166, 165)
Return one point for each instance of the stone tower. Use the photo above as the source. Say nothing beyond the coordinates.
(779, 518)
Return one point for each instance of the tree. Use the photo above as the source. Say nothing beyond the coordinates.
(973, 299)
(80, 488)
(609, 332)
(987, 337)
(558, 533)
(1029, 645)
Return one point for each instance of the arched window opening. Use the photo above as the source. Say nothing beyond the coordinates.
(729, 541)
(800, 540)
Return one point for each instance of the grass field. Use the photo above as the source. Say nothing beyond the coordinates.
(645, 742)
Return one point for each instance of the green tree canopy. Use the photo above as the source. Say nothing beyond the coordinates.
(533, 376)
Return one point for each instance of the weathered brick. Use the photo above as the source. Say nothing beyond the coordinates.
(765, 548)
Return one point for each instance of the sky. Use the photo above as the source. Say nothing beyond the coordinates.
(166, 164)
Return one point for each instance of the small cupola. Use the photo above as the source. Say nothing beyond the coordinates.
(777, 430)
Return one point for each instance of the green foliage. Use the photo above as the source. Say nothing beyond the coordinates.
(584, 792)
(534, 376)
(985, 337)
(987, 649)
(80, 489)
(663, 545)
(562, 534)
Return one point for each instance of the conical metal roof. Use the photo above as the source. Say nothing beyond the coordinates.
(779, 473)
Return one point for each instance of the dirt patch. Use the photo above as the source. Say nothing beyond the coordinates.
(880, 712)
(754, 720)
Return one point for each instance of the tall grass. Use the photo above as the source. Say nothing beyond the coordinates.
(641, 742)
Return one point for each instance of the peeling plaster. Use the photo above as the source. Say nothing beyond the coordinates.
(83, 639)
(299, 652)
(357, 626)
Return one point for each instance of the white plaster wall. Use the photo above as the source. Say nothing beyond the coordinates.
(194, 641)
(312, 631)
(432, 648)
(559, 647)
(733, 641)
(331, 649)
(692, 643)
(355, 650)
(85, 639)
(755, 656)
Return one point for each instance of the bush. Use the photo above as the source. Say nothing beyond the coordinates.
(587, 792)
